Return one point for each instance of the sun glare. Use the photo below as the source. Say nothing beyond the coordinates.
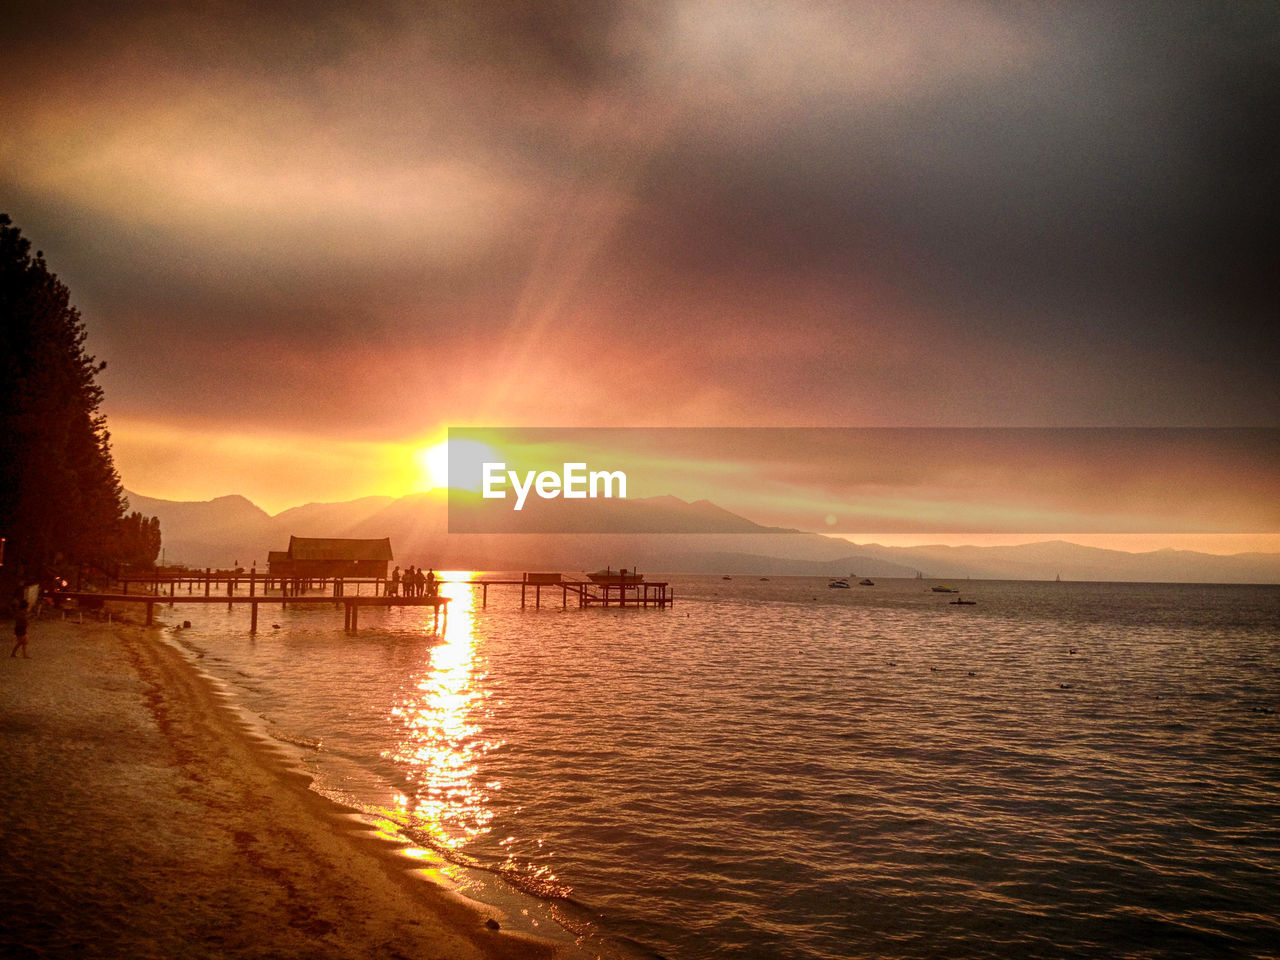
(468, 456)
(433, 461)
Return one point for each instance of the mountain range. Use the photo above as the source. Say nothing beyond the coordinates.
(232, 531)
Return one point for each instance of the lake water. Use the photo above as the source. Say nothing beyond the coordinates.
(775, 769)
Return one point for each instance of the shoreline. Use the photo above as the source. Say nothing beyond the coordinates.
(142, 817)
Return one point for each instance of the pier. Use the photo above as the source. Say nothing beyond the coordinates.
(350, 604)
(352, 594)
(586, 593)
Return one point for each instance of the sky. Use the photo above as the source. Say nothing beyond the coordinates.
(307, 238)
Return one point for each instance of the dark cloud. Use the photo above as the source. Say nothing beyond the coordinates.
(965, 213)
(1103, 181)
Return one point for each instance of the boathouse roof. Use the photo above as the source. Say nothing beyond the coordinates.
(333, 548)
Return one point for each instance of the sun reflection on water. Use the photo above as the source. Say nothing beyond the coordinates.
(442, 716)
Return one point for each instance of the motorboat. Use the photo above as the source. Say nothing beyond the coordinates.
(609, 575)
(866, 582)
(839, 584)
(943, 588)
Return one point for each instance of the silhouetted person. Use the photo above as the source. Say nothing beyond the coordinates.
(406, 581)
(393, 587)
(419, 582)
(20, 629)
(431, 583)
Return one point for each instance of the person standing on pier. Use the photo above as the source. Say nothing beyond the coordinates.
(431, 583)
(393, 587)
(406, 582)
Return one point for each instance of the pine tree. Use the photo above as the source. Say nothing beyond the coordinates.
(60, 496)
(139, 542)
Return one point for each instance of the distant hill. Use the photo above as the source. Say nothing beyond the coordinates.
(1048, 559)
(231, 529)
(664, 514)
(318, 519)
(856, 565)
(210, 532)
(203, 516)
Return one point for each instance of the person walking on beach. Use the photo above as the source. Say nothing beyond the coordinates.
(20, 629)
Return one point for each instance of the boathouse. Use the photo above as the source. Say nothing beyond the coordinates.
(318, 558)
(279, 565)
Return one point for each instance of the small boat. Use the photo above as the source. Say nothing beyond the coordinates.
(764, 579)
(943, 588)
(963, 603)
(839, 584)
(726, 577)
(866, 582)
(608, 575)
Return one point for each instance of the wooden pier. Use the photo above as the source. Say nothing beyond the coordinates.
(232, 581)
(350, 604)
(349, 593)
(631, 593)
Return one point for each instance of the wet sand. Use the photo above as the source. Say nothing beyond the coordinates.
(140, 818)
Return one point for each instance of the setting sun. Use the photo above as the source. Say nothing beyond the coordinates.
(433, 464)
(433, 461)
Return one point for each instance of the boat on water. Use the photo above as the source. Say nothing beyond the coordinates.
(943, 588)
(866, 582)
(841, 584)
(609, 575)
(963, 603)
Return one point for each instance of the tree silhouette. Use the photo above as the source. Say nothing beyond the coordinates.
(139, 541)
(60, 496)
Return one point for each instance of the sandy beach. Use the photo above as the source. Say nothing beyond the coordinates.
(140, 818)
